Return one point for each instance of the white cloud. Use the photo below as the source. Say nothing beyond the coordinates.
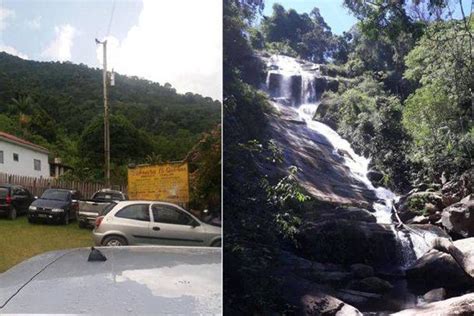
(35, 23)
(12, 51)
(5, 14)
(178, 41)
(60, 48)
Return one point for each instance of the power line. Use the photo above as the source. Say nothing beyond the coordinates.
(111, 18)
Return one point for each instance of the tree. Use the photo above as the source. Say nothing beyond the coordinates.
(438, 114)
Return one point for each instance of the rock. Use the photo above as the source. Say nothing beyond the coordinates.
(420, 203)
(375, 176)
(439, 269)
(361, 271)
(323, 84)
(461, 305)
(459, 217)
(322, 304)
(355, 213)
(431, 208)
(435, 295)
(457, 188)
(311, 299)
(348, 242)
(357, 298)
(371, 284)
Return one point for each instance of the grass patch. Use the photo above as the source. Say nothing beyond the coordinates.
(20, 240)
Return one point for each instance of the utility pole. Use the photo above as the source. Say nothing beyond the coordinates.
(106, 117)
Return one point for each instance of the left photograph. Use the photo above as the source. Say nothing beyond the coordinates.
(110, 157)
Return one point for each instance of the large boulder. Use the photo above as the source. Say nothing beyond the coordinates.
(457, 188)
(435, 295)
(439, 269)
(371, 284)
(459, 217)
(348, 242)
(460, 305)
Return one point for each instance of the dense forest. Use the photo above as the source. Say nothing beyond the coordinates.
(60, 106)
(403, 98)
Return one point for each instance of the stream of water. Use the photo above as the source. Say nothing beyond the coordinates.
(302, 99)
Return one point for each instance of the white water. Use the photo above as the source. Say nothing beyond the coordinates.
(288, 67)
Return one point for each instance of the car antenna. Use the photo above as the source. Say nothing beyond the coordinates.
(96, 255)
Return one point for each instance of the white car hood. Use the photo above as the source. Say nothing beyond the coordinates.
(133, 280)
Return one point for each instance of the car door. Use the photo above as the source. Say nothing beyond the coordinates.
(133, 221)
(173, 226)
(19, 199)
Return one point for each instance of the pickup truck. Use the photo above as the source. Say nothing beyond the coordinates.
(90, 209)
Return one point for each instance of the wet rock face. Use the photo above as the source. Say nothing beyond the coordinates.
(459, 217)
(348, 242)
(274, 83)
(323, 84)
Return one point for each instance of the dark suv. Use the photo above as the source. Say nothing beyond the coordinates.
(14, 200)
(58, 205)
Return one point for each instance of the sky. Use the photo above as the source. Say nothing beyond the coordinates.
(178, 41)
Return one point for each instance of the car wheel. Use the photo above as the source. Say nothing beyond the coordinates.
(12, 214)
(216, 243)
(66, 219)
(114, 241)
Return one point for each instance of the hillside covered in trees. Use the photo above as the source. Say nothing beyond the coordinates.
(60, 106)
(303, 213)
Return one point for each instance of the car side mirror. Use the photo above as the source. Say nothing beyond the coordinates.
(195, 224)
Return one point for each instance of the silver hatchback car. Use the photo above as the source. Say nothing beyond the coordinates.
(150, 222)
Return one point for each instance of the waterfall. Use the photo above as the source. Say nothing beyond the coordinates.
(282, 84)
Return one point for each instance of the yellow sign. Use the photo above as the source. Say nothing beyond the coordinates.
(166, 182)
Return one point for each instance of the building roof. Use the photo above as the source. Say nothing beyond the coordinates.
(16, 140)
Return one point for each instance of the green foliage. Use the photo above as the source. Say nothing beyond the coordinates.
(304, 35)
(58, 105)
(438, 115)
(205, 166)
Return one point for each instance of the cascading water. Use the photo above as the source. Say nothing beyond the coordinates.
(295, 86)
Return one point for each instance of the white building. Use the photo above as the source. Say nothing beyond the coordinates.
(20, 157)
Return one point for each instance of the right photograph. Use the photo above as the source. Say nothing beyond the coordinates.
(348, 175)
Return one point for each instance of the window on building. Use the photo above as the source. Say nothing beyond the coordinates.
(37, 164)
(1, 156)
(15, 157)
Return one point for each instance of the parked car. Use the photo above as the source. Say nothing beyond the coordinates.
(132, 281)
(149, 222)
(90, 209)
(57, 205)
(14, 200)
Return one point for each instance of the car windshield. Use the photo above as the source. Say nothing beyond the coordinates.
(107, 209)
(108, 196)
(55, 195)
(3, 192)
